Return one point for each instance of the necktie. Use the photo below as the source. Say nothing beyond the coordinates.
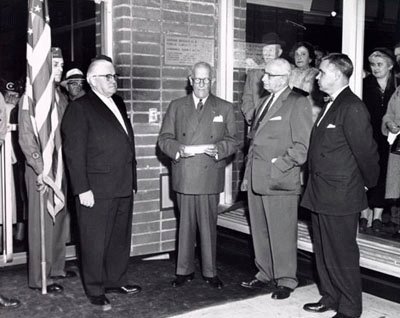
(261, 113)
(200, 105)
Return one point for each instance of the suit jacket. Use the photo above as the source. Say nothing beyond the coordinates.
(342, 158)
(253, 92)
(284, 134)
(99, 154)
(183, 125)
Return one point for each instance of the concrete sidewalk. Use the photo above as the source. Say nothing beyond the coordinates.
(266, 307)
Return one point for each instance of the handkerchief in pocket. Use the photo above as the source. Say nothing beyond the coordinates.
(276, 118)
(218, 119)
(331, 126)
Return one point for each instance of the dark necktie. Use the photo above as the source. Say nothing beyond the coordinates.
(261, 113)
(200, 105)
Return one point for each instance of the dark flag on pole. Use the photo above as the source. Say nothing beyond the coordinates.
(41, 101)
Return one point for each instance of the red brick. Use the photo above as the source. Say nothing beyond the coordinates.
(203, 8)
(147, 3)
(145, 106)
(122, 35)
(145, 238)
(146, 217)
(176, 28)
(149, 185)
(168, 214)
(175, 16)
(145, 194)
(171, 95)
(146, 25)
(146, 129)
(122, 22)
(176, 5)
(202, 31)
(168, 235)
(170, 224)
(147, 60)
(148, 150)
(141, 71)
(145, 206)
(148, 173)
(177, 72)
(146, 12)
(174, 84)
(146, 48)
(146, 249)
(146, 227)
(146, 95)
(146, 37)
(121, 10)
(168, 246)
(146, 83)
(202, 19)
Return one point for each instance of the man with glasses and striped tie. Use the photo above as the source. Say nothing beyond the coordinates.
(278, 147)
(198, 134)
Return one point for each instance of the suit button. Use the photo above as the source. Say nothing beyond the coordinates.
(317, 174)
(184, 134)
(211, 137)
(322, 155)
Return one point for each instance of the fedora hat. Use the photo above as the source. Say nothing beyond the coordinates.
(272, 38)
(74, 74)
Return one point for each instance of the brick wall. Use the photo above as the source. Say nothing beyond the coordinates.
(139, 29)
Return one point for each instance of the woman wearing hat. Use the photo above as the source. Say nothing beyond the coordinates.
(378, 87)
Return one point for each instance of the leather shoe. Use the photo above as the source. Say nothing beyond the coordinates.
(100, 301)
(316, 307)
(9, 303)
(68, 274)
(340, 315)
(214, 282)
(180, 280)
(257, 284)
(51, 289)
(127, 290)
(281, 292)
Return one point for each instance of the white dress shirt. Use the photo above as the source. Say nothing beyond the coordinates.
(111, 106)
(333, 97)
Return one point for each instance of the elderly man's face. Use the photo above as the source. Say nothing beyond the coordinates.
(201, 82)
(327, 77)
(275, 77)
(103, 80)
(58, 65)
(271, 51)
(74, 87)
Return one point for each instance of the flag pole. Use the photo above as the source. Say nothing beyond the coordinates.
(42, 245)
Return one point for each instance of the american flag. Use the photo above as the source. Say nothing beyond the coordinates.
(41, 101)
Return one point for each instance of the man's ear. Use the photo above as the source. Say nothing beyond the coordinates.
(190, 80)
(280, 51)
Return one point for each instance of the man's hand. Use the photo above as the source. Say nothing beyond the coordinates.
(212, 151)
(393, 128)
(183, 153)
(41, 186)
(87, 199)
(244, 186)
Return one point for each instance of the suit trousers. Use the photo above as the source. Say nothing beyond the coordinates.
(201, 210)
(338, 261)
(105, 241)
(56, 236)
(273, 221)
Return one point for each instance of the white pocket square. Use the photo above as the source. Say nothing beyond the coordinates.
(276, 118)
(218, 119)
(331, 126)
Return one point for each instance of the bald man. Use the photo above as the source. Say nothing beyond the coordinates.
(279, 142)
(99, 151)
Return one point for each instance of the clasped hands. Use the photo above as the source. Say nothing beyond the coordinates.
(393, 127)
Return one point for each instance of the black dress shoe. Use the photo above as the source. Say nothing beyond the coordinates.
(68, 274)
(214, 282)
(180, 280)
(8, 303)
(281, 292)
(51, 289)
(340, 315)
(100, 301)
(127, 290)
(257, 284)
(316, 307)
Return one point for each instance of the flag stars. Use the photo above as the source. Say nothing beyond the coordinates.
(30, 31)
(37, 8)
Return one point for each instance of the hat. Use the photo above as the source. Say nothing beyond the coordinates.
(102, 57)
(385, 51)
(272, 38)
(56, 52)
(73, 74)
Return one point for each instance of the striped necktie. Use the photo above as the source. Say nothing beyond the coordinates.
(200, 105)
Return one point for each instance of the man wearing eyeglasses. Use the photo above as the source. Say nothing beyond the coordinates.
(73, 83)
(279, 140)
(99, 151)
(198, 134)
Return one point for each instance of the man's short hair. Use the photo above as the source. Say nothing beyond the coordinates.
(202, 64)
(341, 61)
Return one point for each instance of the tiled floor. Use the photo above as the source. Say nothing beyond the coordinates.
(265, 307)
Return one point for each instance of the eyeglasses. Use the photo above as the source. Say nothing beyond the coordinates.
(75, 84)
(273, 75)
(202, 80)
(109, 77)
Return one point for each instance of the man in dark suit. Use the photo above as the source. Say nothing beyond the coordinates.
(343, 163)
(99, 150)
(278, 147)
(198, 134)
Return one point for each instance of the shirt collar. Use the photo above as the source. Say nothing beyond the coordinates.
(196, 99)
(336, 94)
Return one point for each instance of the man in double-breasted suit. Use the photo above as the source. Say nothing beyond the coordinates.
(100, 156)
(343, 163)
(198, 134)
(279, 142)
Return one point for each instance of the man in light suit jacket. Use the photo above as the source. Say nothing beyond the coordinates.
(100, 155)
(279, 143)
(343, 163)
(198, 134)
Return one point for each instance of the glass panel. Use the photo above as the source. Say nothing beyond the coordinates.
(382, 32)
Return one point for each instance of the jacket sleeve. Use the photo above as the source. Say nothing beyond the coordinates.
(167, 140)
(301, 123)
(248, 104)
(28, 140)
(358, 132)
(74, 128)
(392, 112)
(229, 144)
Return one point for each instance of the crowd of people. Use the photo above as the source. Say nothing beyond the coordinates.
(300, 114)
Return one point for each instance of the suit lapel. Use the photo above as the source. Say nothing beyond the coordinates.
(191, 119)
(274, 108)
